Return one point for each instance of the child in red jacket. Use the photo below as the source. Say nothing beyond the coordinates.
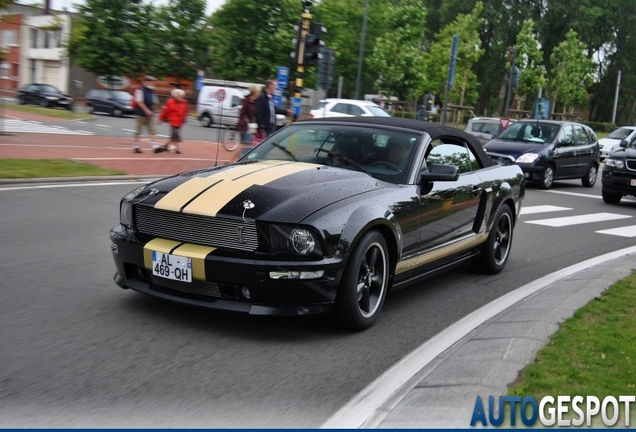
(175, 113)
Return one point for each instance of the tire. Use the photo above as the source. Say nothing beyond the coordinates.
(547, 177)
(232, 142)
(116, 112)
(611, 197)
(44, 103)
(495, 252)
(364, 283)
(90, 109)
(589, 179)
(21, 100)
(205, 120)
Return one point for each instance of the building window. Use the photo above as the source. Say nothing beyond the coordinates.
(5, 70)
(34, 38)
(9, 38)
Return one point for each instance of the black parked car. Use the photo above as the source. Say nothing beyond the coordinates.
(549, 150)
(114, 102)
(44, 95)
(619, 173)
(302, 225)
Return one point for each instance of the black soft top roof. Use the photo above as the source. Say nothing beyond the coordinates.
(435, 130)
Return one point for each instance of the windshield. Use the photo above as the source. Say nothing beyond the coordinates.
(378, 112)
(383, 154)
(120, 95)
(534, 132)
(621, 133)
(49, 89)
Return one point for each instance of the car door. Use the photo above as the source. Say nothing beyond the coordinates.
(565, 152)
(586, 149)
(449, 209)
(31, 94)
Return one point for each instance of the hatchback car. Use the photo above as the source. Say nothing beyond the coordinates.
(612, 142)
(549, 150)
(114, 102)
(485, 128)
(347, 108)
(44, 95)
(302, 226)
(619, 173)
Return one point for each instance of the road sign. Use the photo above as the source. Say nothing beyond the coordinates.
(504, 122)
(282, 76)
(277, 98)
(297, 105)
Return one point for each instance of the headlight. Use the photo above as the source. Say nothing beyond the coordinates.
(615, 163)
(527, 158)
(52, 98)
(127, 107)
(126, 208)
(292, 239)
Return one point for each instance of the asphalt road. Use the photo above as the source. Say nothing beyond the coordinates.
(77, 351)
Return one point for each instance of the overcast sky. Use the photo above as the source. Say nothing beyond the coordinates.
(59, 4)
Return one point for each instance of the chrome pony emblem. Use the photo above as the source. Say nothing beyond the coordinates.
(247, 205)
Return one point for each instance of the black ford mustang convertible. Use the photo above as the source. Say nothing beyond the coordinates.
(325, 215)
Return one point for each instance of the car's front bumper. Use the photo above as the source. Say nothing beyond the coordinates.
(226, 277)
(619, 181)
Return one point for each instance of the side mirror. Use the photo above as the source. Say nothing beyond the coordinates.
(439, 172)
(623, 143)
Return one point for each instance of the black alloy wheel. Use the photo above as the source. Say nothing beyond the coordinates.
(547, 177)
(494, 253)
(611, 197)
(589, 179)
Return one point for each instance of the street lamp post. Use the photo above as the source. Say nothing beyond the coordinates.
(361, 54)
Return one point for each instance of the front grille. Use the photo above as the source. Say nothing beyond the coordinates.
(216, 232)
(631, 164)
(208, 289)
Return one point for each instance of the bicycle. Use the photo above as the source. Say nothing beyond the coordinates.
(233, 141)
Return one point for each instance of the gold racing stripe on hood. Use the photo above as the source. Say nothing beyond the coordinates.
(196, 252)
(214, 199)
(182, 194)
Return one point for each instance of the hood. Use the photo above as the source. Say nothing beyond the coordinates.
(608, 141)
(515, 148)
(624, 153)
(281, 191)
(56, 94)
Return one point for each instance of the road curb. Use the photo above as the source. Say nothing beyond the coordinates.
(14, 182)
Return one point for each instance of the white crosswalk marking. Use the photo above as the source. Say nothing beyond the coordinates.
(577, 220)
(628, 231)
(22, 126)
(541, 209)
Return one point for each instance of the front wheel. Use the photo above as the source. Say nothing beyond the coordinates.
(494, 253)
(364, 283)
(547, 178)
(611, 197)
(205, 120)
(589, 179)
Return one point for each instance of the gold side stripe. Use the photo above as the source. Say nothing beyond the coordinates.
(196, 252)
(426, 258)
(183, 193)
(159, 245)
(211, 201)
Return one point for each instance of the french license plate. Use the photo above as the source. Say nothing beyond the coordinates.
(172, 266)
(633, 182)
(63, 102)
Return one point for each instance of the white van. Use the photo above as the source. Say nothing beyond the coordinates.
(219, 105)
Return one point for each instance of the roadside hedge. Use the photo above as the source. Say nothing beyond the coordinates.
(600, 127)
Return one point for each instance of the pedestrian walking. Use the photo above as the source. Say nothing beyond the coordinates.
(266, 111)
(175, 113)
(145, 100)
(248, 118)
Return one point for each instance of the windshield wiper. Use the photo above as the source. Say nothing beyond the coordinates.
(351, 162)
(287, 152)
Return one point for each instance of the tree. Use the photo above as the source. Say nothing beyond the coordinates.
(111, 37)
(571, 71)
(251, 38)
(530, 62)
(184, 38)
(465, 86)
(398, 54)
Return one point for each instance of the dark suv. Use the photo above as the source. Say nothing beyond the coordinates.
(549, 150)
(619, 173)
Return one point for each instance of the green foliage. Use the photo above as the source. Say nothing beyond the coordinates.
(530, 62)
(464, 91)
(398, 56)
(600, 127)
(571, 71)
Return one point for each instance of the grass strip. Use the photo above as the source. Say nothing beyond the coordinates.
(41, 168)
(49, 112)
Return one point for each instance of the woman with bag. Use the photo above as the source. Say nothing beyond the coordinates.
(247, 125)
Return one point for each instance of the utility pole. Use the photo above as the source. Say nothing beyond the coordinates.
(513, 53)
(361, 53)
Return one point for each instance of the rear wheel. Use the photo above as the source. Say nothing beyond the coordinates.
(233, 140)
(547, 178)
(589, 179)
(611, 197)
(44, 103)
(205, 120)
(364, 283)
(20, 100)
(495, 252)
(90, 109)
(116, 112)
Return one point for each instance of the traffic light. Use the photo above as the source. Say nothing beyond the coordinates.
(327, 68)
(313, 44)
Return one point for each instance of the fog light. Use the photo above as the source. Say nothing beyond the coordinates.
(246, 293)
(296, 274)
(526, 175)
